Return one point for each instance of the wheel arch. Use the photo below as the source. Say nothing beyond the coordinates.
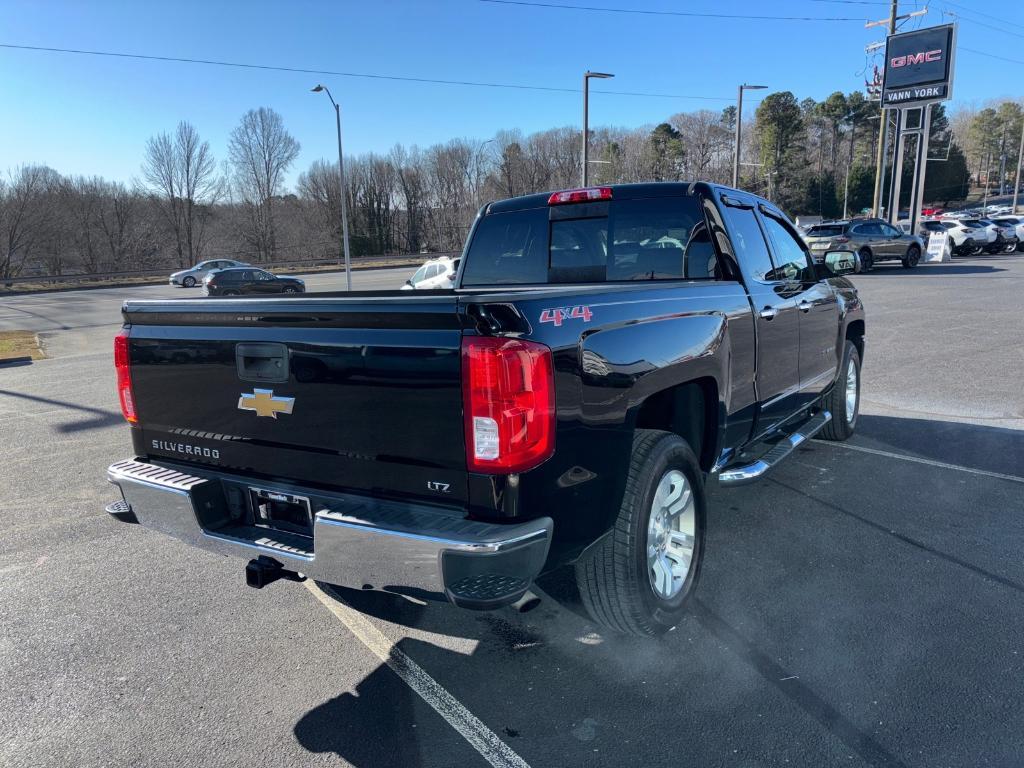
(691, 410)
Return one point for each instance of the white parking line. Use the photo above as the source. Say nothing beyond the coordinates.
(929, 462)
(483, 739)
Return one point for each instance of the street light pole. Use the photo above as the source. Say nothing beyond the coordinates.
(1016, 176)
(586, 115)
(341, 175)
(739, 129)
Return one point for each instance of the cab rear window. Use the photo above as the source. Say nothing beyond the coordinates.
(646, 239)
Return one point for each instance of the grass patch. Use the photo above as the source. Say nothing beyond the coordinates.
(19, 344)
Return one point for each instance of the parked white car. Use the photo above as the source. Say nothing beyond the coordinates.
(1017, 222)
(983, 233)
(436, 273)
(194, 276)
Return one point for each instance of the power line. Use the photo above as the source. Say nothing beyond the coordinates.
(688, 14)
(960, 17)
(365, 75)
(990, 55)
(982, 13)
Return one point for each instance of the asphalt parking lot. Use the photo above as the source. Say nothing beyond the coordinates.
(861, 607)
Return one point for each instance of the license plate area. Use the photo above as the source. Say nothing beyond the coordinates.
(281, 511)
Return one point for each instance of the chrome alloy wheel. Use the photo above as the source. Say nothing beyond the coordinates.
(671, 534)
(851, 391)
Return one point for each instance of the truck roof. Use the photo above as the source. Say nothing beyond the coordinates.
(619, 192)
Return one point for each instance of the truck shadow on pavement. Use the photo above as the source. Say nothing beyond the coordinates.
(830, 597)
(99, 417)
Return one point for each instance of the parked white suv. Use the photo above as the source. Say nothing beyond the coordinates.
(436, 273)
(1017, 222)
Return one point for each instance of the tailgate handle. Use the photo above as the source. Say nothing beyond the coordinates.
(262, 362)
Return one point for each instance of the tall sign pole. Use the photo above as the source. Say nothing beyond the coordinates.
(918, 73)
(883, 129)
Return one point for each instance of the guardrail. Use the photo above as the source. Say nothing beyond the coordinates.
(360, 262)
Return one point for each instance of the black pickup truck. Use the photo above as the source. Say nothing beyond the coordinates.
(606, 356)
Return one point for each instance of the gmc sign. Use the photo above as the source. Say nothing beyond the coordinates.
(915, 58)
(919, 66)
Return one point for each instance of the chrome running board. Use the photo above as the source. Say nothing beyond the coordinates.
(748, 473)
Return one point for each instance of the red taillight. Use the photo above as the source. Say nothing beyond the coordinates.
(841, 239)
(580, 195)
(124, 376)
(508, 395)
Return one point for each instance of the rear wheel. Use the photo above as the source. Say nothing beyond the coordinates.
(867, 261)
(843, 402)
(189, 281)
(638, 578)
(912, 258)
(230, 293)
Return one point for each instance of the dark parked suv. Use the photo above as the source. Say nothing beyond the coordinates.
(874, 240)
(234, 282)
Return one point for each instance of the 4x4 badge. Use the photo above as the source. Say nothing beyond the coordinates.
(265, 404)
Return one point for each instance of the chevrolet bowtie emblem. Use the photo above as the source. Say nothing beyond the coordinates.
(265, 404)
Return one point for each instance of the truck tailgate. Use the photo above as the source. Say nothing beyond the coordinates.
(359, 393)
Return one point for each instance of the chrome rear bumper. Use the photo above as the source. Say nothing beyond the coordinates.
(357, 541)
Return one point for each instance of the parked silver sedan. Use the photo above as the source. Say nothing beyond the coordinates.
(194, 276)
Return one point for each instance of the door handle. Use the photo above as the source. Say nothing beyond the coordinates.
(768, 313)
(804, 306)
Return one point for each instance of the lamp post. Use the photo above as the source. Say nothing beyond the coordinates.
(586, 113)
(739, 129)
(1020, 164)
(341, 174)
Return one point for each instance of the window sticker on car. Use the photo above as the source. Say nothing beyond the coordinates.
(558, 315)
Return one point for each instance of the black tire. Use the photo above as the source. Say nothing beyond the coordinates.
(843, 424)
(867, 261)
(612, 575)
(912, 258)
(189, 281)
(230, 293)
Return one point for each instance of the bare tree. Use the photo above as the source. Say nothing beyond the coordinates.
(261, 151)
(25, 211)
(412, 195)
(182, 178)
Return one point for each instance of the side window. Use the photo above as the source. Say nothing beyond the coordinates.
(791, 262)
(420, 275)
(433, 270)
(248, 275)
(748, 242)
(891, 231)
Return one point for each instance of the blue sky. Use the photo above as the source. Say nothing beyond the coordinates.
(92, 115)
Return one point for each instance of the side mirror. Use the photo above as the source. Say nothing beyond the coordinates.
(408, 282)
(839, 263)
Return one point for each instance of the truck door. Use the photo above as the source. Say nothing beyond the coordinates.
(775, 311)
(816, 303)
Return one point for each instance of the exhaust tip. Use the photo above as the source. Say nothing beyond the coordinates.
(526, 603)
